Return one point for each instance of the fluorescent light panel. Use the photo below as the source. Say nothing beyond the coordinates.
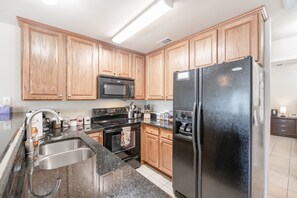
(50, 2)
(148, 16)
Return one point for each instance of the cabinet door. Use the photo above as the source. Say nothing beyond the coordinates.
(107, 60)
(238, 39)
(138, 73)
(43, 64)
(176, 59)
(82, 69)
(203, 48)
(123, 63)
(166, 156)
(155, 75)
(97, 136)
(152, 150)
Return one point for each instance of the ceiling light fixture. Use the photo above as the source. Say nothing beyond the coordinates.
(50, 2)
(153, 12)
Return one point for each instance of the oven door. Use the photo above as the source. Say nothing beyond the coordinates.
(113, 140)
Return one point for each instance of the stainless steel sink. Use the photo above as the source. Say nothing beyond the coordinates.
(61, 146)
(65, 158)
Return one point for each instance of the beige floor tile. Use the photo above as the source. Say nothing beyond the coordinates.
(293, 172)
(292, 194)
(293, 185)
(162, 179)
(168, 190)
(278, 179)
(142, 172)
(277, 192)
(155, 181)
(281, 170)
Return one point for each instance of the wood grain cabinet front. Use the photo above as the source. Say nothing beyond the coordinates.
(240, 38)
(97, 136)
(123, 63)
(176, 59)
(43, 64)
(138, 74)
(155, 76)
(152, 150)
(284, 127)
(82, 69)
(107, 62)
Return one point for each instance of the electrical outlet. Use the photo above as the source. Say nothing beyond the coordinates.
(6, 101)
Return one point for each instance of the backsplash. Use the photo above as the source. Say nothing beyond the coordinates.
(160, 105)
(75, 108)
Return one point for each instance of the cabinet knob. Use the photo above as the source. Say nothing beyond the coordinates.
(60, 96)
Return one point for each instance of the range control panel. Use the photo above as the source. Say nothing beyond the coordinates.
(108, 111)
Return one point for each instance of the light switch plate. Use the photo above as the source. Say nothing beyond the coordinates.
(6, 101)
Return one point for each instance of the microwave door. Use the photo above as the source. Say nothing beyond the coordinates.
(118, 90)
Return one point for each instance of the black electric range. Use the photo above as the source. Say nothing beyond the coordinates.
(112, 120)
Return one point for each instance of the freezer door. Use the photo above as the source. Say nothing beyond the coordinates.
(226, 126)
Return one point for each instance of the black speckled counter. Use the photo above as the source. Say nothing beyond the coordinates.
(103, 175)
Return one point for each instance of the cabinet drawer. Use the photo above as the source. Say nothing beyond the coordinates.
(166, 134)
(152, 130)
(283, 122)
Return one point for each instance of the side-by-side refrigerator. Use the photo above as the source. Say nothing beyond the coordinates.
(218, 145)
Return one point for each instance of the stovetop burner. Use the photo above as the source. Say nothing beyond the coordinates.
(111, 117)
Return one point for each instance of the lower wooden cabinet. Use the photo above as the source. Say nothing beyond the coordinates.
(286, 127)
(97, 136)
(152, 148)
(156, 148)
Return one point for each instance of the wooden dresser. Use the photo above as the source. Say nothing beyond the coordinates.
(284, 126)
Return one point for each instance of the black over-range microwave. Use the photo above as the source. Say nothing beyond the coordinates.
(113, 87)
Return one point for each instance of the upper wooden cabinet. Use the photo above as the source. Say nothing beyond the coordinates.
(43, 64)
(82, 69)
(155, 75)
(203, 48)
(138, 73)
(107, 60)
(123, 63)
(176, 59)
(240, 38)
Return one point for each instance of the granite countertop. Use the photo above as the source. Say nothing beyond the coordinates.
(103, 175)
(9, 126)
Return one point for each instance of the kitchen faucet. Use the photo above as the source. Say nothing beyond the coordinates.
(29, 141)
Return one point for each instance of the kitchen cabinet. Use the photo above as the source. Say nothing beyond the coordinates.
(156, 148)
(82, 69)
(123, 63)
(152, 148)
(283, 126)
(176, 59)
(203, 49)
(97, 136)
(138, 73)
(155, 76)
(240, 38)
(166, 151)
(43, 64)
(107, 56)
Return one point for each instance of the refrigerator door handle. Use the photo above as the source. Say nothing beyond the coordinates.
(194, 142)
(199, 182)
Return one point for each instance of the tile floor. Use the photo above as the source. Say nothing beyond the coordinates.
(282, 167)
(282, 170)
(157, 178)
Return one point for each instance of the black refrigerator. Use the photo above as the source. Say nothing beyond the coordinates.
(218, 145)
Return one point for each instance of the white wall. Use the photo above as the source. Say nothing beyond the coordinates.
(160, 105)
(283, 87)
(284, 49)
(10, 80)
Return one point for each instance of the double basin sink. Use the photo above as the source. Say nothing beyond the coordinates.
(63, 153)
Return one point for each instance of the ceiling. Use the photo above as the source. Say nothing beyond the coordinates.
(102, 19)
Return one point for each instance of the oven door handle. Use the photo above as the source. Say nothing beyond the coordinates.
(114, 130)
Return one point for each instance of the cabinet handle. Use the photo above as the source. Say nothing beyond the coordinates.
(283, 130)
(283, 125)
(69, 96)
(60, 96)
(283, 120)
